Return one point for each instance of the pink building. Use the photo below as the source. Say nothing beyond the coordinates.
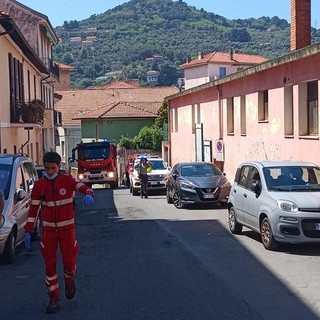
(268, 111)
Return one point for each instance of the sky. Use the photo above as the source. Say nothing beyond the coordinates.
(59, 11)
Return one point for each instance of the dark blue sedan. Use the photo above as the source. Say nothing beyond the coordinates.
(197, 183)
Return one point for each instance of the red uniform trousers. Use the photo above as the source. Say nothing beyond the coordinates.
(69, 249)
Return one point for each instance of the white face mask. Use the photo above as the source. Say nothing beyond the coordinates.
(50, 177)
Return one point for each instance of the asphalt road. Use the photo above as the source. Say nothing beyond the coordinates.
(144, 259)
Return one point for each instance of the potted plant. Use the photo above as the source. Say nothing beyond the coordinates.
(32, 111)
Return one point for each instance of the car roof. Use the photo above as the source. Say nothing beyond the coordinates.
(280, 163)
(192, 163)
(7, 158)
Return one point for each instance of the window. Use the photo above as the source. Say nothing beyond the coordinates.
(30, 175)
(230, 115)
(263, 99)
(96, 130)
(308, 109)
(243, 176)
(222, 71)
(312, 107)
(198, 113)
(176, 120)
(243, 115)
(16, 86)
(288, 110)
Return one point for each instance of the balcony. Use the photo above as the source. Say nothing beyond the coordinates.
(51, 66)
(27, 112)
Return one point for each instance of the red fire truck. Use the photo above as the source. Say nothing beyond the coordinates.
(97, 162)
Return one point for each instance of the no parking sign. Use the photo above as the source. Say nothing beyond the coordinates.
(219, 150)
(121, 152)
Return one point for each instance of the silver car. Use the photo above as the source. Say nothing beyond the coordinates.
(17, 177)
(278, 199)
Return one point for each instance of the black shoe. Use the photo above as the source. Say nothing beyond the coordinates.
(146, 197)
(53, 305)
(70, 290)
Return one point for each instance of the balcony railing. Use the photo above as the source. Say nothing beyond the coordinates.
(52, 67)
(27, 111)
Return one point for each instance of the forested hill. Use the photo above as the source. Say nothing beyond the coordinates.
(167, 32)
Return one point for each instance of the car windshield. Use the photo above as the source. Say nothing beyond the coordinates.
(292, 178)
(93, 153)
(5, 179)
(198, 170)
(158, 165)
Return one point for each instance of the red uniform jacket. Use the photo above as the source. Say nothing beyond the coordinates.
(56, 199)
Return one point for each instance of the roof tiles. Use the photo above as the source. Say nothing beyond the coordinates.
(111, 103)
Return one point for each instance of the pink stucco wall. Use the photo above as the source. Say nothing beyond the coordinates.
(263, 140)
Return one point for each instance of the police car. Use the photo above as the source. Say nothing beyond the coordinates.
(156, 178)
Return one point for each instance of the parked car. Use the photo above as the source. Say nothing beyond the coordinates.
(278, 199)
(17, 178)
(157, 177)
(197, 183)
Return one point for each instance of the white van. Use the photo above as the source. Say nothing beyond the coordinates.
(17, 178)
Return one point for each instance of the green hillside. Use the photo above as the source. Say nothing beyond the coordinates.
(122, 38)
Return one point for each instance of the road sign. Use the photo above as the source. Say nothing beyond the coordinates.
(121, 152)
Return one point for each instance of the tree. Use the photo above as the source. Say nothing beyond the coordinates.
(149, 137)
(162, 115)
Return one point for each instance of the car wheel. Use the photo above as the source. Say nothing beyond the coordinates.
(9, 251)
(177, 200)
(169, 199)
(234, 226)
(267, 238)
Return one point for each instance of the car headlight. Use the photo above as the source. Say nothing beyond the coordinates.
(111, 175)
(80, 176)
(287, 206)
(187, 185)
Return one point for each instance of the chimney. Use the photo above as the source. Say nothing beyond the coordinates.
(300, 24)
(231, 54)
(200, 56)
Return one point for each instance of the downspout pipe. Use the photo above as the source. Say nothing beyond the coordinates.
(169, 134)
(219, 90)
(27, 128)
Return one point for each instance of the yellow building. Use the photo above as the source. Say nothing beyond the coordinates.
(26, 84)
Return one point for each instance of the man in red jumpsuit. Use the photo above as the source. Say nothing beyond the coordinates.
(55, 193)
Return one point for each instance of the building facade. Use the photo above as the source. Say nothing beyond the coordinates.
(26, 42)
(268, 111)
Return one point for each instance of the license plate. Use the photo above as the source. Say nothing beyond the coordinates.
(208, 196)
(154, 183)
(95, 175)
(317, 226)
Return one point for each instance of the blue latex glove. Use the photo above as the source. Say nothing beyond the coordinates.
(88, 200)
(27, 240)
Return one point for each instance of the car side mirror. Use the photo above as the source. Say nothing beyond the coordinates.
(20, 194)
(2, 220)
(256, 188)
(174, 176)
